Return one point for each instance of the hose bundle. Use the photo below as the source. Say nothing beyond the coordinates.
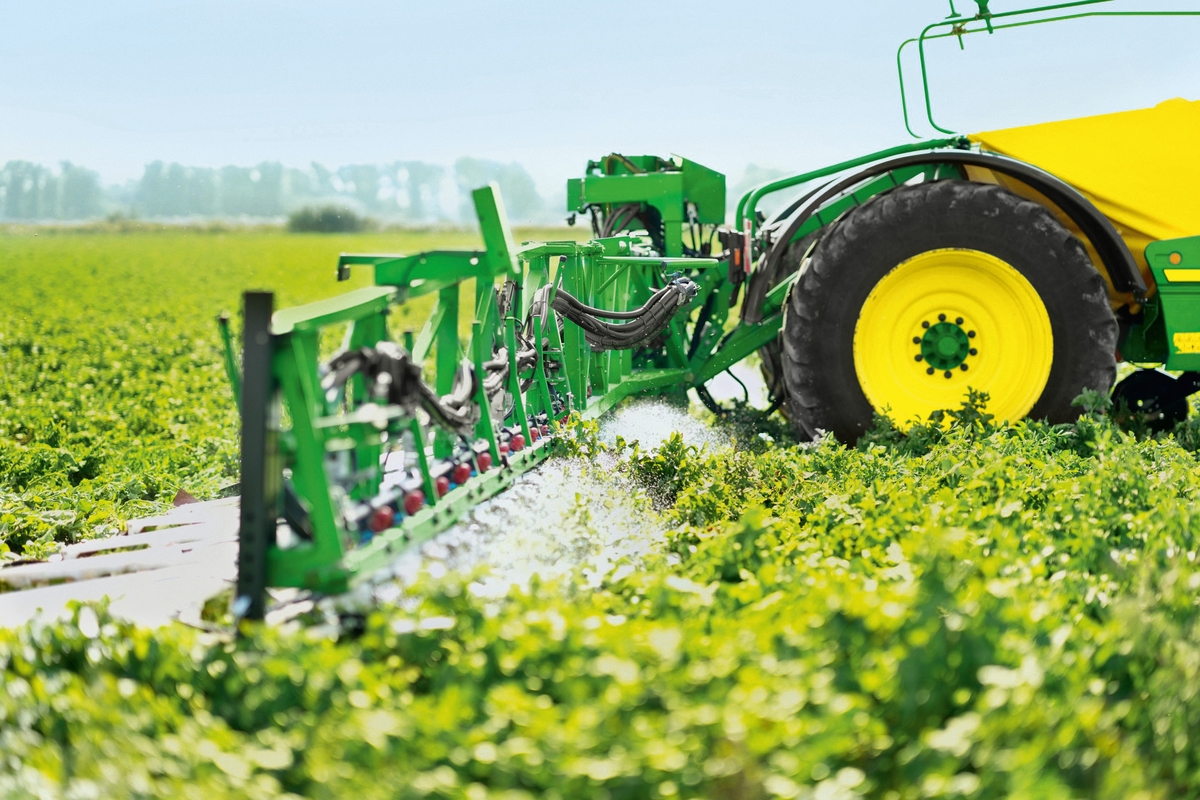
(643, 323)
(392, 377)
(497, 369)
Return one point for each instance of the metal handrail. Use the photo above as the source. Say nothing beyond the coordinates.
(959, 28)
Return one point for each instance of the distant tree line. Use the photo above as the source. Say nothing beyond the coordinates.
(403, 191)
(31, 191)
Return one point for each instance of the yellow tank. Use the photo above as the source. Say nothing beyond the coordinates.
(1140, 168)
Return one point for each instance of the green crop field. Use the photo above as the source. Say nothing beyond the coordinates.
(113, 395)
(970, 610)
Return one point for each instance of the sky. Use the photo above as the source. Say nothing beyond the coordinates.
(788, 85)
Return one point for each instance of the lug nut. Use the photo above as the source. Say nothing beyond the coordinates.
(916, 340)
(948, 373)
(973, 351)
(963, 367)
(958, 320)
(971, 334)
(941, 317)
(919, 357)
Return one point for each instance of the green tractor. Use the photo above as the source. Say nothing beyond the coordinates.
(1024, 263)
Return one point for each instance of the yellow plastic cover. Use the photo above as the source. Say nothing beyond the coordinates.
(1140, 168)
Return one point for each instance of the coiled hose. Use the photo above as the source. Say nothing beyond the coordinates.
(643, 324)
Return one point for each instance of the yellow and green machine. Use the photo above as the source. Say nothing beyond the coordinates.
(1024, 263)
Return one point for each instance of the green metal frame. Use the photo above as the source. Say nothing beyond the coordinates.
(315, 430)
(1169, 331)
(672, 186)
(319, 440)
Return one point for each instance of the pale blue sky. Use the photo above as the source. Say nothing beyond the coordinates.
(114, 85)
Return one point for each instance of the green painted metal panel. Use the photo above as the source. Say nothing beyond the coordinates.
(706, 189)
(1145, 339)
(629, 188)
(343, 308)
(1175, 264)
(493, 224)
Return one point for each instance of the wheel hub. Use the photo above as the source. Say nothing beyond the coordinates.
(914, 351)
(946, 345)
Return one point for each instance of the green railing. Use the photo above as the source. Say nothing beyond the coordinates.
(986, 21)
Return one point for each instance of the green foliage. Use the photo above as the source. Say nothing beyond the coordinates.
(33, 192)
(326, 219)
(998, 616)
(964, 610)
(970, 419)
(583, 439)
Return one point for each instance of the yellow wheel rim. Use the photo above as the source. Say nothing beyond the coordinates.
(944, 310)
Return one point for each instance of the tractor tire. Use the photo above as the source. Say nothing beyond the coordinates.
(771, 354)
(927, 291)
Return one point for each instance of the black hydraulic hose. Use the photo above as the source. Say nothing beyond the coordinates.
(644, 324)
(745, 390)
(629, 165)
(701, 321)
(582, 308)
(622, 216)
(708, 401)
(391, 375)
(497, 369)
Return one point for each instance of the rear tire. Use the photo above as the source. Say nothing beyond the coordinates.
(771, 354)
(953, 257)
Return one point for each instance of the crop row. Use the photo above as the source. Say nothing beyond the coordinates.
(974, 612)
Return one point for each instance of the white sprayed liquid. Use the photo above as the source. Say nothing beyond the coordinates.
(567, 517)
(651, 420)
